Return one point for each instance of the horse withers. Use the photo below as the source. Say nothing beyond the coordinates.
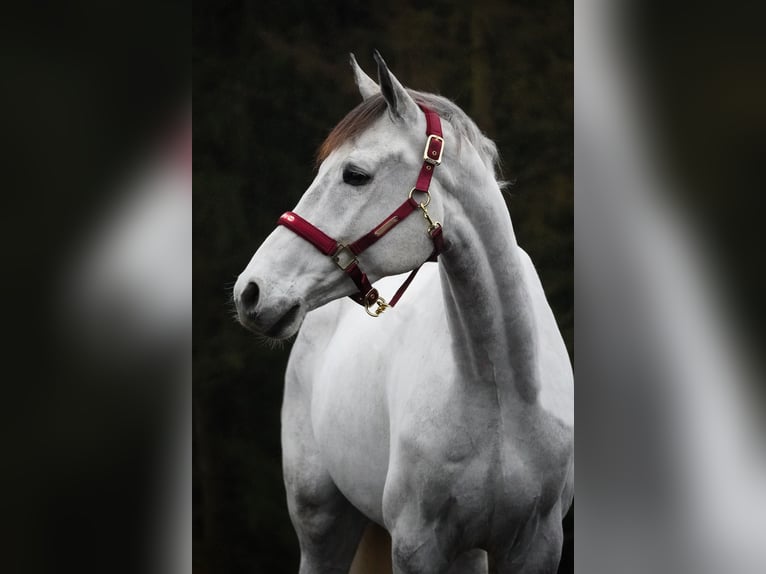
(448, 420)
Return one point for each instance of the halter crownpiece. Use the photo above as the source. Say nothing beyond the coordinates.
(345, 256)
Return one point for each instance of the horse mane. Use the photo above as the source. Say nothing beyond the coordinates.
(363, 115)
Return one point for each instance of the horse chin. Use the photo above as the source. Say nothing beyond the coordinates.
(284, 328)
(288, 325)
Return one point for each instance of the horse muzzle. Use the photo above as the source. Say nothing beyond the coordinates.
(274, 317)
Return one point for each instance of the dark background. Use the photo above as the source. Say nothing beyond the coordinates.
(90, 91)
(270, 80)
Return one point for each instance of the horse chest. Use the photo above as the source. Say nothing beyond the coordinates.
(425, 441)
(390, 420)
(353, 421)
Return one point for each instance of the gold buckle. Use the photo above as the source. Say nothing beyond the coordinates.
(382, 306)
(430, 159)
(348, 253)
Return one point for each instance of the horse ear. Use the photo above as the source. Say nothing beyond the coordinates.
(400, 103)
(367, 86)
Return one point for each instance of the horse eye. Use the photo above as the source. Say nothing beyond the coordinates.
(354, 177)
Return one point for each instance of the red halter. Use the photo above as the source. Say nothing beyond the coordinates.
(345, 256)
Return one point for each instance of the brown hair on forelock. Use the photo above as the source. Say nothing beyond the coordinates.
(355, 122)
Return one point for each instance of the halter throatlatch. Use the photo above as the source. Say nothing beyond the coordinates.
(345, 255)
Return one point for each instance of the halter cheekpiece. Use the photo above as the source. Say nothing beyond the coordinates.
(345, 255)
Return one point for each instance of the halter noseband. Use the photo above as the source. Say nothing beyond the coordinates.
(345, 255)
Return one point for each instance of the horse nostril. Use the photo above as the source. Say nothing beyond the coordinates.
(249, 297)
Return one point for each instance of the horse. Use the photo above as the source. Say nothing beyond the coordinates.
(448, 419)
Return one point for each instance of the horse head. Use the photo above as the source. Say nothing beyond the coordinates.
(368, 166)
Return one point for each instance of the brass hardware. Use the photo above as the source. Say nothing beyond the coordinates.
(382, 306)
(431, 223)
(385, 226)
(341, 251)
(428, 197)
(436, 157)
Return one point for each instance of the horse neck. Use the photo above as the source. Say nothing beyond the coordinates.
(488, 300)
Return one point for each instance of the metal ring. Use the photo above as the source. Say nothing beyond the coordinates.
(428, 196)
(382, 306)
